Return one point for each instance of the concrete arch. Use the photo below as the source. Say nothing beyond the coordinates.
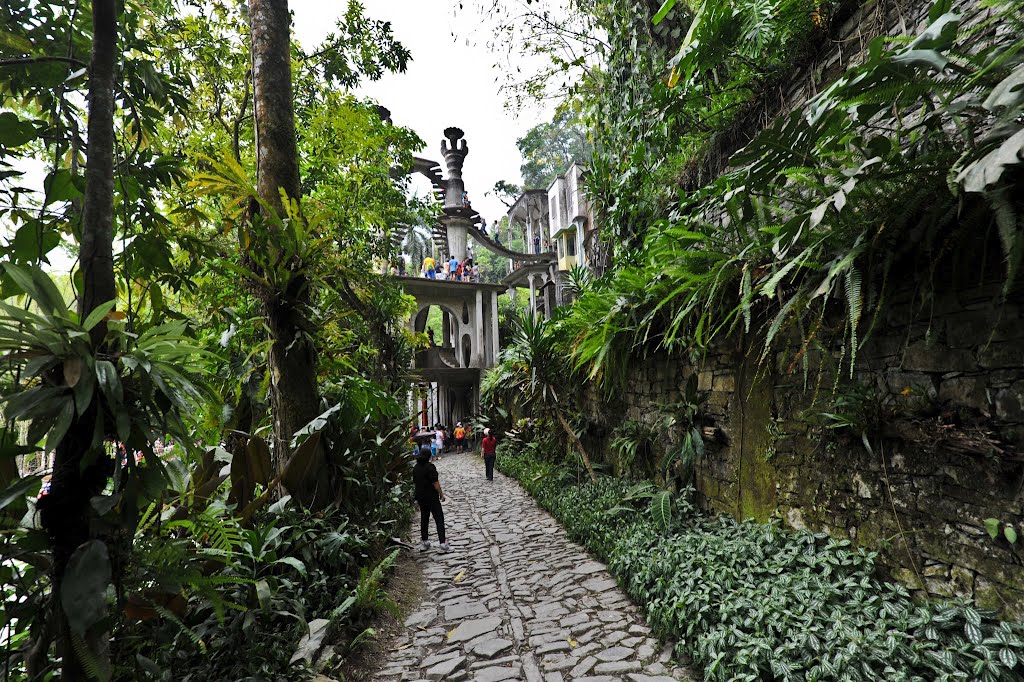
(418, 323)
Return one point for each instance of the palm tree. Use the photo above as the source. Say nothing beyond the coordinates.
(533, 374)
(417, 243)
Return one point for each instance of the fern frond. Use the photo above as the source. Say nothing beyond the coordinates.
(186, 630)
(94, 667)
(854, 306)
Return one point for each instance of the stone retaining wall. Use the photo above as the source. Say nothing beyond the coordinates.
(939, 388)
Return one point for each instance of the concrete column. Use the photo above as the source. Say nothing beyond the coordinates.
(479, 347)
(555, 282)
(533, 294)
(456, 328)
(446, 329)
(495, 344)
(580, 256)
(457, 236)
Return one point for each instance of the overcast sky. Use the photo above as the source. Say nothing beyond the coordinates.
(450, 82)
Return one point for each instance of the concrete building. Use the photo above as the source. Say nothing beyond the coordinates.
(570, 218)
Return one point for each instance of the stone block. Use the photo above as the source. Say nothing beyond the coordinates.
(969, 391)
(924, 357)
(1009, 403)
(724, 381)
(1005, 354)
(705, 380)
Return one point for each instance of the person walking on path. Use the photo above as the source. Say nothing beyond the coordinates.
(536, 243)
(460, 437)
(429, 496)
(439, 439)
(489, 448)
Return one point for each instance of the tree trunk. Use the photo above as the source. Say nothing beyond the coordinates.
(65, 513)
(97, 255)
(579, 445)
(277, 156)
(295, 398)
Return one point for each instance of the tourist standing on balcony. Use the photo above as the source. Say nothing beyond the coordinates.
(453, 266)
(428, 267)
(536, 243)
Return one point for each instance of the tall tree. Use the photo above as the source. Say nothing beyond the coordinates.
(549, 148)
(80, 464)
(295, 398)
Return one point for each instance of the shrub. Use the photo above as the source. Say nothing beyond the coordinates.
(751, 601)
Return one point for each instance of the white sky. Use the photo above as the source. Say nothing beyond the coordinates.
(451, 81)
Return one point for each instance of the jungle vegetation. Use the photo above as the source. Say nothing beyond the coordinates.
(201, 447)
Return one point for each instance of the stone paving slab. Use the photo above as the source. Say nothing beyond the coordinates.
(515, 599)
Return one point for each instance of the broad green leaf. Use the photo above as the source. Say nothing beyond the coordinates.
(989, 169)
(97, 314)
(62, 185)
(1010, 533)
(17, 450)
(661, 510)
(83, 593)
(21, 488)
(663, 11)
(992, 526)
(293, 562)
(1008, 93)
(15, 132)
(61, 425)
(109, 382)
(15, 42)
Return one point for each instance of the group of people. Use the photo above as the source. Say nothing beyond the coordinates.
(452, 269)
(445, 438)
(427, 484)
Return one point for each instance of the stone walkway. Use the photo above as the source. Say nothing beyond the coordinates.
(516, 600)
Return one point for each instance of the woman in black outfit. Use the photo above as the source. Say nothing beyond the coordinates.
(429, 497)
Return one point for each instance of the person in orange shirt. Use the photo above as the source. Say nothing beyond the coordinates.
(460, 438)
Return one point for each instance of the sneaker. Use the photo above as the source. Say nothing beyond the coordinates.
(425, 545)
(445, 547)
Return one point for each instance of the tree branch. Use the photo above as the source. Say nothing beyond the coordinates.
(17, 61)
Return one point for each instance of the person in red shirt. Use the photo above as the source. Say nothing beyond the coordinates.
(489, 448)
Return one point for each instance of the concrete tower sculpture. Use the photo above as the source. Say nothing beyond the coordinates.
(456, 217)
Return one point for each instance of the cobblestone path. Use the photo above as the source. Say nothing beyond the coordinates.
(516, 599)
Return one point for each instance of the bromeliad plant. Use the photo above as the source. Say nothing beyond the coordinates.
(100, 403)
